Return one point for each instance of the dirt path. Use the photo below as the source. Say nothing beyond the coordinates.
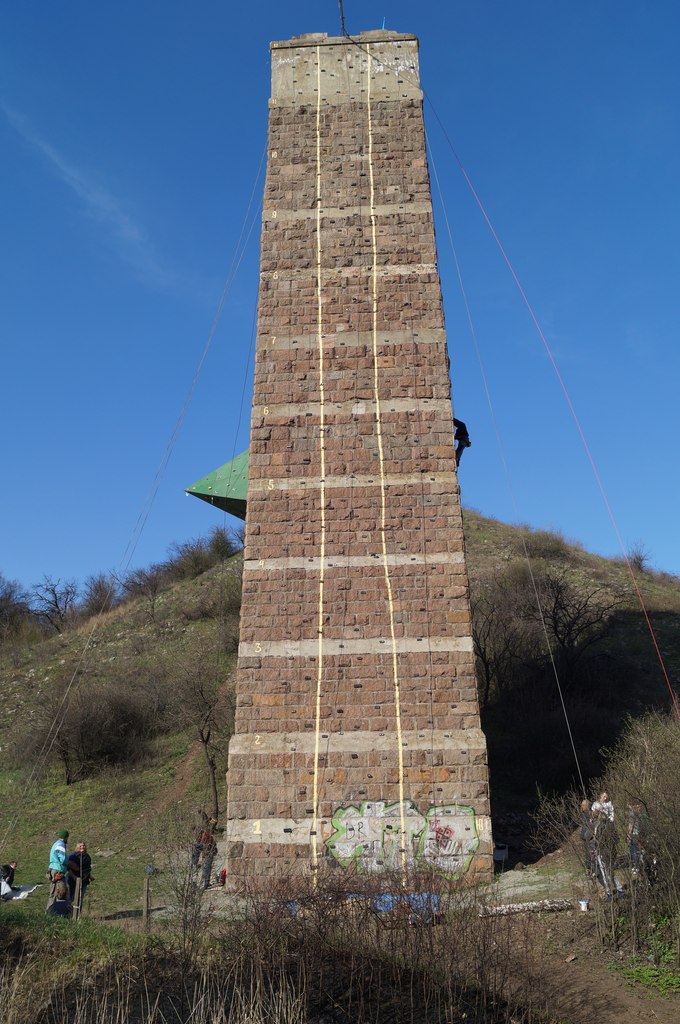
(575, 973)
(177, 790)
(588, 991)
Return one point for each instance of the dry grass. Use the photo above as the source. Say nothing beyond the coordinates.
(321, 956)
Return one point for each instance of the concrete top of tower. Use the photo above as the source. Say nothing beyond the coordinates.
(381, 35)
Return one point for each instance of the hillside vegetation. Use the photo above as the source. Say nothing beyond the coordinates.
(111, 720)
(591, 622)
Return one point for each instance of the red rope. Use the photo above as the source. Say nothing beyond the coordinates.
(533, 316)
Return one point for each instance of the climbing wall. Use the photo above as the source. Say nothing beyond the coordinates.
(357, 741)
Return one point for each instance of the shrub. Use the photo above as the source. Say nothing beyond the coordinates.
(14, 609)
(146, 584)
(101, 594)
(192, 558)
(641, 779)
(189, 559)
(223, 543)
(638, 558)
(90, 728)
(546, 544)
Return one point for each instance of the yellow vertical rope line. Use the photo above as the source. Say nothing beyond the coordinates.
(322, 487)
(383, 507)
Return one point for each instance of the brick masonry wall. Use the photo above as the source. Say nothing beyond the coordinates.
(357, 736)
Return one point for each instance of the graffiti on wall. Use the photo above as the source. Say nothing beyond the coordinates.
(368, 837)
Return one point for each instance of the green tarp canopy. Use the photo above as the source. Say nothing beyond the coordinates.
(226, 487)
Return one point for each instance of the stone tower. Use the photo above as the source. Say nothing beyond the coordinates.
(357, 741)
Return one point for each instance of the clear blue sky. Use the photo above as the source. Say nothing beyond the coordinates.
(131, 136)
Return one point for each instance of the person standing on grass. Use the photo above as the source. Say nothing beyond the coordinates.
(58, 860)
(605, 845)
(209, 850)
(604, 808)
(79, 866)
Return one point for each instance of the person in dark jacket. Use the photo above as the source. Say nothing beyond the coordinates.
(7, 880)
(462, 439)
(79, 865)
(209, 850)
(7, 872)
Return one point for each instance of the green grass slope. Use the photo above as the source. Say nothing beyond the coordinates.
(156, 653)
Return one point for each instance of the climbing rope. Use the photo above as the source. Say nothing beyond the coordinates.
(62, 710)
(508, 479)
(322, 486)
(572, 410)
(381, 458)
(591, 460)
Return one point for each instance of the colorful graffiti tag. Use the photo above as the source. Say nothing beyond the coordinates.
(369, 837)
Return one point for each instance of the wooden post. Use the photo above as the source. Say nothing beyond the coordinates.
(146, 903)
(78, 900)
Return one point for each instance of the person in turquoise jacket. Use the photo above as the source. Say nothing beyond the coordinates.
(57, 855)
(58, 859)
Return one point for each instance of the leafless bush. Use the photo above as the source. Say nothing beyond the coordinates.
(55, 602)
(14, 608)
(642, 775)
(503, 645)
(373, 947)
(90, 728)
(101, 593)
(547, 544)
(639, 851)
(575, 618)
(303, 953)
(523, 622)
(224, 543)
(179, 885)
(146, 584)
(189, 559)
(638, 557)
(192, 558)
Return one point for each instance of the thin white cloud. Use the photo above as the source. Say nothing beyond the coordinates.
(102, 206)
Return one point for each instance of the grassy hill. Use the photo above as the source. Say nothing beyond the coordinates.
(135, 675)
(149, 656)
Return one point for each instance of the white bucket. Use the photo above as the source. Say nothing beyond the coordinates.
(583, 905)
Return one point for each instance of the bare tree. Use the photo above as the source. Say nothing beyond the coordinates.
(101, 594)
(88, 728)
(54, 601)
(146, 584)
(14, 608)
(207, 704)
(497, 640)
(575, 617)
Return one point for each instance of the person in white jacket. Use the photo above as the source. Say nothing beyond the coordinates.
(603, 807)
